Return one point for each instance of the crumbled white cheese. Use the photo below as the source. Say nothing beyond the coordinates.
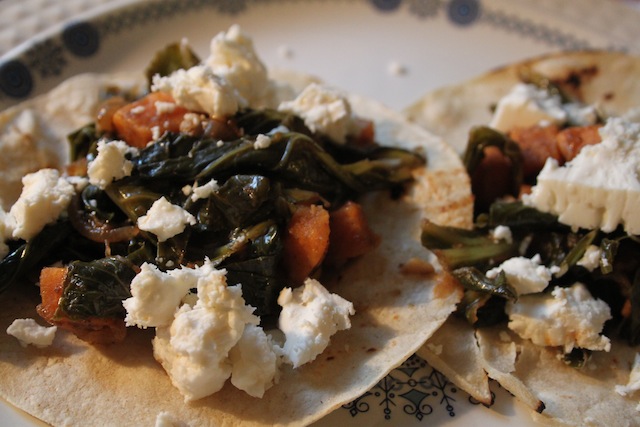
(262, 141)
(502, 232)
(581, 115)
(591, 258)
(310, 316)
(278, 129)
(165, 220)
(526, 105)
(156, 295)
(194, 350)
(138, 109)
(396, 69)
(199, 89)
(78, 182)
(155, 133)
(525, 275)
(163, 107)
(254, 361)
(633, 384)
(285, 52)
(568, 317)
(600, 187)
(323, 109)
(111, 163)
(45, 196)
(233, 58)
(166, 419)
(203, 191)
(27, 331)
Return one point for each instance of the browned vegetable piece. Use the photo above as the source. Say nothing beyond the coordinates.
(351, 235)
(365, 134)
(51, 287)
(93, 330)
(491, 179)
(136, 122)
(571, 140)
(104, 118)
(306, 242)
(537, 143)
(77, 168)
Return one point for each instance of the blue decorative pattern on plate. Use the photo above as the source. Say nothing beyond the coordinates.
(350, 44)
(47, 58)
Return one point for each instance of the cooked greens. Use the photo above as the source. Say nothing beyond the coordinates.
(239, 226)
(469, 254)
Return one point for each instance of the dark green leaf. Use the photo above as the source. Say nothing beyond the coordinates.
(173, 57)
(482, 137)
(457, 247)
(517, 215)
(83, 142)
(28, 257)
(473, 279)
(96, 288)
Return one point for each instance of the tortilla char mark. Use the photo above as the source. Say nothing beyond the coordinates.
(575, 80)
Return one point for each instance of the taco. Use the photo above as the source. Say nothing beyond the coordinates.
(550, 267)
(385, 293)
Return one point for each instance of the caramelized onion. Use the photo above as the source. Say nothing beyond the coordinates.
(96, 230)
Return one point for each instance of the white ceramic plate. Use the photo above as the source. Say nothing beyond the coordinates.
(390, 50)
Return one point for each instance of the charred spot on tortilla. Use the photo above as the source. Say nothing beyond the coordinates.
(577, 78)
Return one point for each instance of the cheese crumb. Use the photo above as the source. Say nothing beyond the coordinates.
(199, 89)
(262, 141)
(633, 384)
(310, 316)
(194, 350)
(255, 362)
(525, 275)
(155, 295)
(323, 110)
(111, 163)
(591, 258)
(233, 58)
(27, 331)
(203, 191)
(568, 317)
(165, 220)
(45, 196)
(502, 232)
(396, 69)
(163, 107)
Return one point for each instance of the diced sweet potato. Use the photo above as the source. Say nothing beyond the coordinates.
(51, 288)
(571, 140)
(537, 143)
(137, 122)
(306, 242)
(94, 330)
(351, 235)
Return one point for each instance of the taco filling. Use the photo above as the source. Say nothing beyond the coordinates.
(255, 229)
(551, 267)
